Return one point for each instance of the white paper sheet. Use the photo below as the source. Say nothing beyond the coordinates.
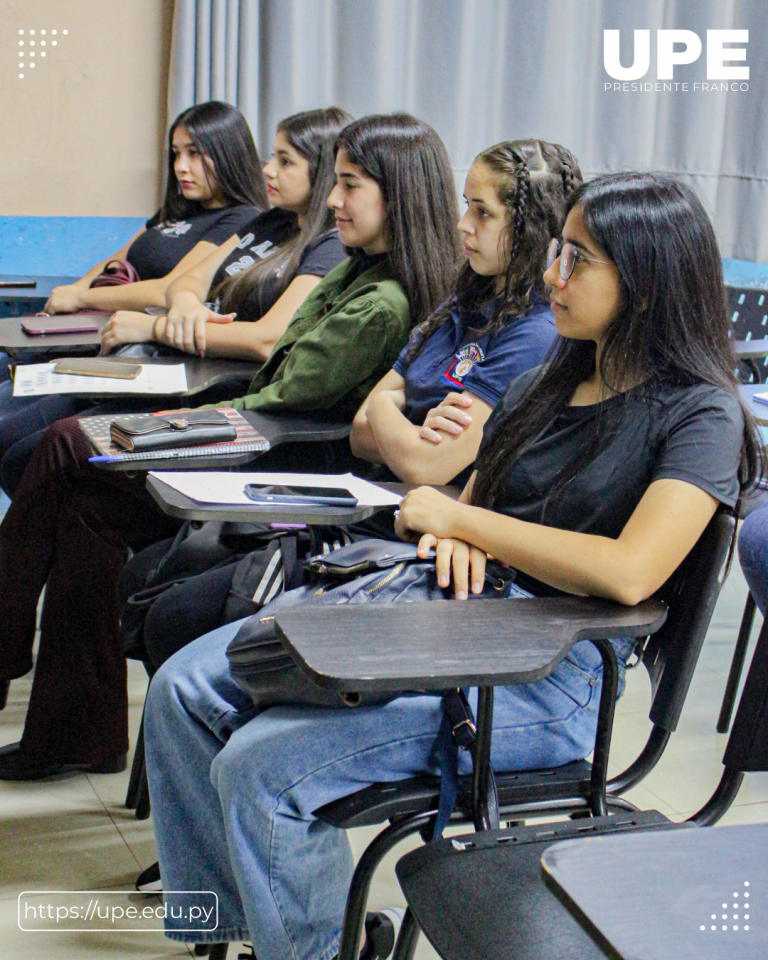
(205, 487)
(38, 379)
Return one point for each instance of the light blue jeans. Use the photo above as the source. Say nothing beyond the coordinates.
(753, 555)
(233, 793)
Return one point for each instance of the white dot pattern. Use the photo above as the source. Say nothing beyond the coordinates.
(32, 43)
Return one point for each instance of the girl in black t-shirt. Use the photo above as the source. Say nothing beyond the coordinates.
(266, 269)
(608, 463)
(642, 386)
(214, 187)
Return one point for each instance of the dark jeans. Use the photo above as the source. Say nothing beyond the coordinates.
(69, 527)
(22, 428)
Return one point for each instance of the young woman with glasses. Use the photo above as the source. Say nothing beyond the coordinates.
(597, 474)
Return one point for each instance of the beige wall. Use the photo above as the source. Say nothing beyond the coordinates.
(82, 134)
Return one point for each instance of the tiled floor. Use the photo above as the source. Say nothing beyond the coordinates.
(75, 832)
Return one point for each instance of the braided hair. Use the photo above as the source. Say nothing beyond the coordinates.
(533, 180)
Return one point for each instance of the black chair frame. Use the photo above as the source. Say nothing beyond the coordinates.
(575, 789)
(435, 865)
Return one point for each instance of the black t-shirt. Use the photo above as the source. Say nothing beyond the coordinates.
(162, 245)
(259, 239)
(683, 433)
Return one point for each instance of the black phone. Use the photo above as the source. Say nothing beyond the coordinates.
(300, 496)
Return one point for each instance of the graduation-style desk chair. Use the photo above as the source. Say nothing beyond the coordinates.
(487, 643)
(485, 895)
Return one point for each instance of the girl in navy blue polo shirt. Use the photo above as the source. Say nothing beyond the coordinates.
(424, 419)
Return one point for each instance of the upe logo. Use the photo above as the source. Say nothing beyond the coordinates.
(667, 57)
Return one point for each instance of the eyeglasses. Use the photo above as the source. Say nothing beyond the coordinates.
(569, 257)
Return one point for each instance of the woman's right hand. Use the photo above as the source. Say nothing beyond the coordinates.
(449, 417)
(184, 326)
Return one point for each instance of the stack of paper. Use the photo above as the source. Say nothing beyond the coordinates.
(37, 379)
(228, 488)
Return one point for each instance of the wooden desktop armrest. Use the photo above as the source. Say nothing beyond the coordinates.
(449, 643)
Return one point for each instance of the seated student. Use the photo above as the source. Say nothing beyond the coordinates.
(495, 326)
(266, 272)
(263, 272)
(69, 524)
(213, 188)
(597, 474)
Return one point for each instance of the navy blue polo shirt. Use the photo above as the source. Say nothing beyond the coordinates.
(457, 358)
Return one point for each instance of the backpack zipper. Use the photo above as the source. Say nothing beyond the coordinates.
(382, 583)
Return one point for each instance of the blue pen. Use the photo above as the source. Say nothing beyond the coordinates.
(105, 459)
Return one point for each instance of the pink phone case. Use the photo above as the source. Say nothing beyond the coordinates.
(46, 327)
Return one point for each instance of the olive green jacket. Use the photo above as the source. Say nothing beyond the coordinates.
(340, 342)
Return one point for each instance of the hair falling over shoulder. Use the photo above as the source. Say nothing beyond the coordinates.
(671, 327)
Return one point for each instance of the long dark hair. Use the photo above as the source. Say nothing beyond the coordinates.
(671, 327)
(533, 180)
(409, 162)
(221, 133)
(313, 135)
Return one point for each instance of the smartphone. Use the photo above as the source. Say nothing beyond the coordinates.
(17, 284)
(93, 367)
(44, 326)
(301, 496)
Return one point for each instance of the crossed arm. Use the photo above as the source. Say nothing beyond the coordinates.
(434, 452)
(662, 530)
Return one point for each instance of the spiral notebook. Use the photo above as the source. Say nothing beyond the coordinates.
(248, 439)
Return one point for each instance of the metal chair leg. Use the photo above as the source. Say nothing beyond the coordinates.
(737, 666)
(137, 770)
(143, 808)
(354, 914)
(405, 948)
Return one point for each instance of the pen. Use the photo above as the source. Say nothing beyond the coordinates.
(105, 459)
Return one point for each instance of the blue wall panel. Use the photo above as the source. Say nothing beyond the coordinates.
(61, 246)
(742, 273)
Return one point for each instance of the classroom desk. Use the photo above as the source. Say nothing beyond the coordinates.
(759, 410)
(652, 896)
(13, 338)
(276, 430)
(22, 301)
(175, 504)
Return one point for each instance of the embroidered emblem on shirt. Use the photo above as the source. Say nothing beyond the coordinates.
(462, 363)
(173, 228)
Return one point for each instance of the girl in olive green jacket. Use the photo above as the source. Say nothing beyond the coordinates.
(70, 524)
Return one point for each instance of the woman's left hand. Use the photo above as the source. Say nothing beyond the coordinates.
(465, 562)
(126, 326)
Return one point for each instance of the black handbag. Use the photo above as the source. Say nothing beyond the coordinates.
(368, 571)
(189, 428)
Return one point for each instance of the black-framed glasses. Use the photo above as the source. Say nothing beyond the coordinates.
(569, 256)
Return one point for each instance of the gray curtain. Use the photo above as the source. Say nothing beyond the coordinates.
(481, 71)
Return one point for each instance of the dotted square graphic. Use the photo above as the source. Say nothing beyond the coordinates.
(31, 44)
